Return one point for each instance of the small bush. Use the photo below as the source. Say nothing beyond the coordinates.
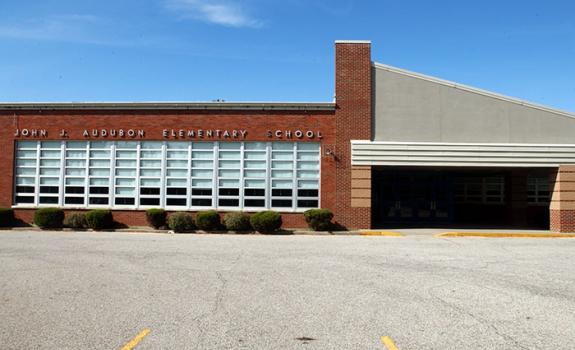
(156, 217)
(76, 220)
(181, 222)
(319, 219)
(49, 218)
(237, 221)
(6, 217)
(208, 220)
(99, 219)
(266, 221)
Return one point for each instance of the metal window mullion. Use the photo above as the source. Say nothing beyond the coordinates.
(294, 178)
(112, 193)
(268, 198)
(241, 185)
(87, 175)
(189, 187)
(37, 189)
(62, 172)
(319, 177)
(215, 184)
(163, 175)
(15, 174)
(137, 180)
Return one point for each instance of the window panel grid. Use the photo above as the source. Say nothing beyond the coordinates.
(538, 190)
(183, 175)
(480, 190)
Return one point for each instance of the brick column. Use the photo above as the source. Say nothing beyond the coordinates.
(7, 127)
(353, 118)
(562, 208)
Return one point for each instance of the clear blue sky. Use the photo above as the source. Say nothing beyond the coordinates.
(258, 50)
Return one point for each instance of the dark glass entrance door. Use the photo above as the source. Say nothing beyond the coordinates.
(412, 197)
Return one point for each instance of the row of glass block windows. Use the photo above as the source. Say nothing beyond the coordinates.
(244, 175)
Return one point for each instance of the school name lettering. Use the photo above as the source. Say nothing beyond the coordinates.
(114, 133)
(99, 133)
(203, 133)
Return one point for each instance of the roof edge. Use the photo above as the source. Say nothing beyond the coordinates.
(353, 41)
(473, 89)
(261, 106)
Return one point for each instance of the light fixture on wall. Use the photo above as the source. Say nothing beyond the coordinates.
(329, 152)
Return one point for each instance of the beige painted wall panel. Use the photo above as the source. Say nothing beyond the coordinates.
(360, 203)
(360, 193)
(563, 205)
(360, 174)
(355, 183)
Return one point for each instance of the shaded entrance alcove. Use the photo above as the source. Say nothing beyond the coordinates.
(461, 197)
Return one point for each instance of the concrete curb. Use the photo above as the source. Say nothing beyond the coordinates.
(381, 233)
(504, 235)
(144, 229)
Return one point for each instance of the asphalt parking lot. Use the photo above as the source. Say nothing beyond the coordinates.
(87, 290)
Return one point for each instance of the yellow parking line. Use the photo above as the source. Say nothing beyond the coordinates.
(381, 233)
(132, 344)
(505, 235)
(389, 344)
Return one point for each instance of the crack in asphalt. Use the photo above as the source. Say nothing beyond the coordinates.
(478, 319)
(218, 301)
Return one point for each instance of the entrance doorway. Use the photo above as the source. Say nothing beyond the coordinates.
(464, 197)
(413, 197)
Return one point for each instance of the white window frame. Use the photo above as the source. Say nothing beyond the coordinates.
(113, 148)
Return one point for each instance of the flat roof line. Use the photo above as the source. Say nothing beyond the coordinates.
(265, 106)
(472, 89)
(353, 41)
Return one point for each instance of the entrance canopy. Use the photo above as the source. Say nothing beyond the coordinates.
(460, 154)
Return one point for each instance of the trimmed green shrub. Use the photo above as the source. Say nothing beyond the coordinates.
(266, 221)
(237, 221)
(99, 219)
(156, 217)
(208, 220)
(49, 218)
(181, 222)
(319, 219)
(6, 217)
(76, 220)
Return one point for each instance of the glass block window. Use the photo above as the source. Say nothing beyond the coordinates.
(26, 176)
(480, 190)
(50, 165)
(100, 173)
(125, 176)
(175, 175)
(150, 173)
(203, 170)
(538, 190)
(178, 163)
(76, 170)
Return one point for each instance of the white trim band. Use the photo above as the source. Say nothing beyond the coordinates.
(460, 154)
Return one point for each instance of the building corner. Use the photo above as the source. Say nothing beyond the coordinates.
(353, 119)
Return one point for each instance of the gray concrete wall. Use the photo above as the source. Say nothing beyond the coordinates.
(408, 108)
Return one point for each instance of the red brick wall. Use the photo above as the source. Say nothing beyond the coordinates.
(562, 208)
(353, 90)
(257, 124)
(7, 126)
